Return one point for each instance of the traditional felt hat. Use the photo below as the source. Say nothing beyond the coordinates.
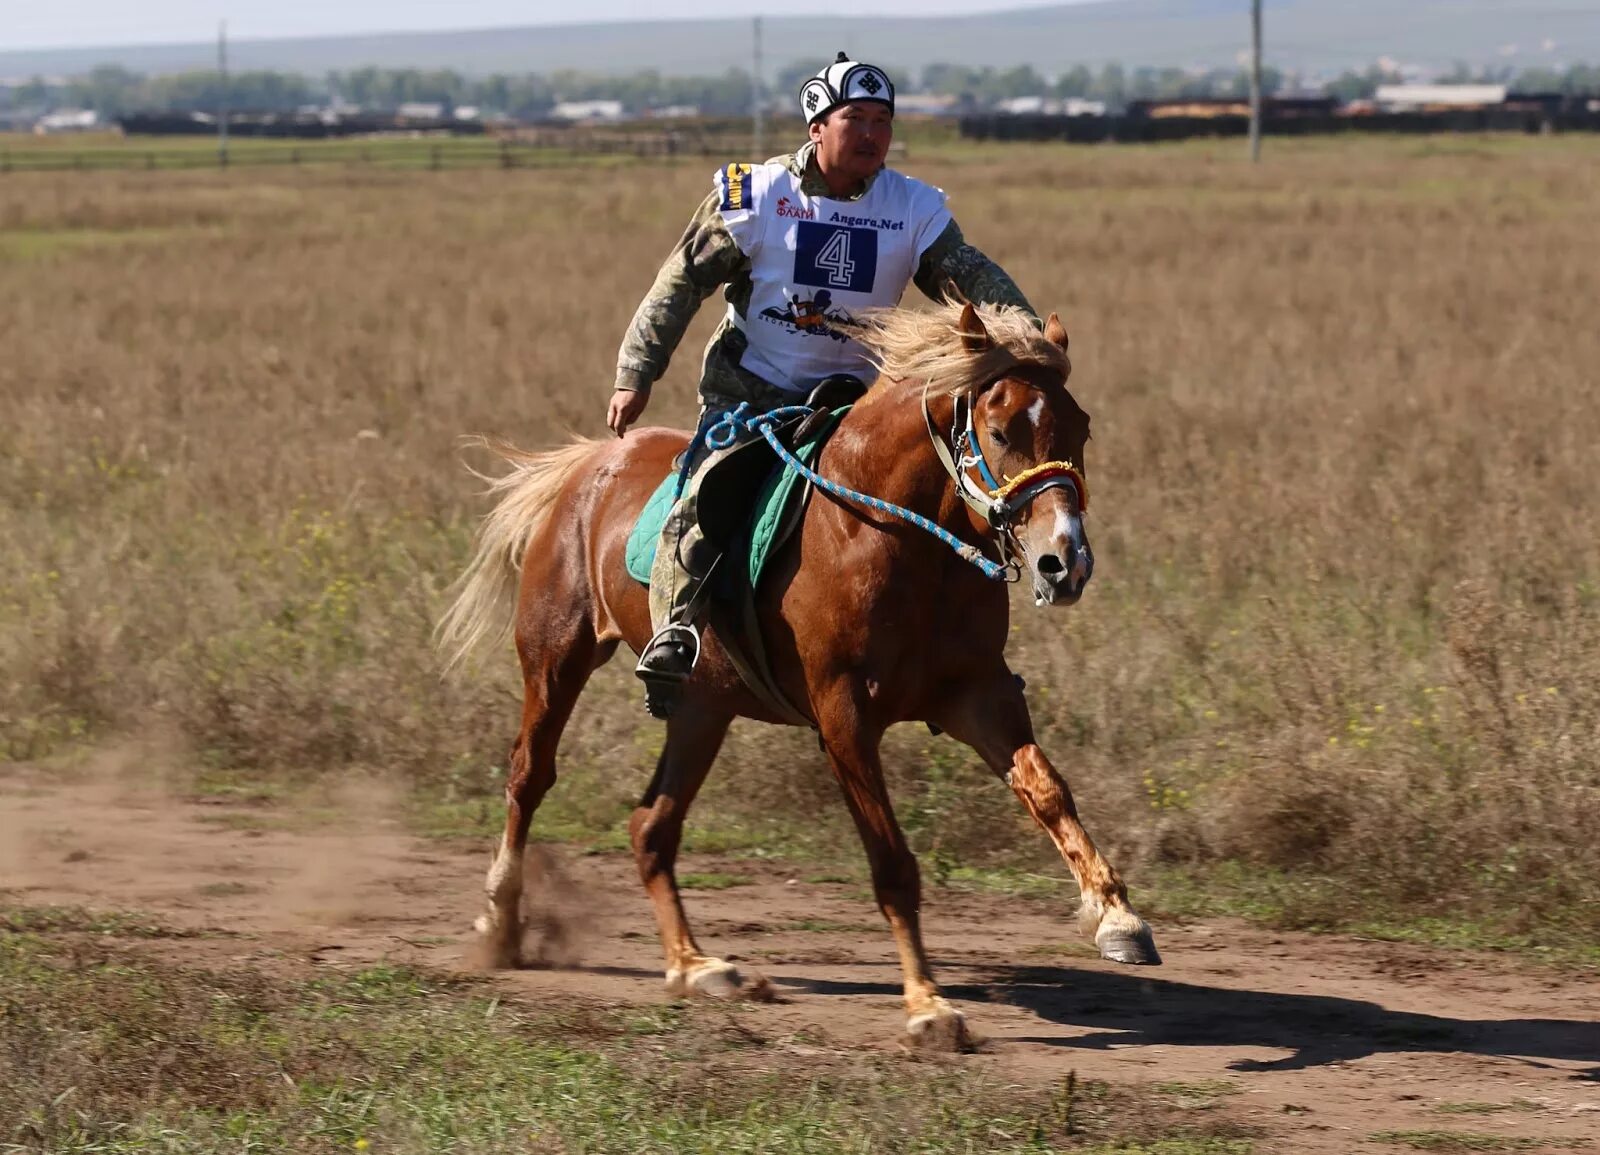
(842, 82)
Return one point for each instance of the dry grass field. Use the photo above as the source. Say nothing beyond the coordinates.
(1337, 669)
(1339, 665)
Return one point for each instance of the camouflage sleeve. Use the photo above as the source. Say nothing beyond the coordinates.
(703, 259)
(980, 280)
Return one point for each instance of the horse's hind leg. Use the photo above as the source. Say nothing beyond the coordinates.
(556, 667)
(694, 735)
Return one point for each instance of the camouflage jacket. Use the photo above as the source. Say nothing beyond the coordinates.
(707, 258)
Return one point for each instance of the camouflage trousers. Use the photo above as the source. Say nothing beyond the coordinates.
(683, 557)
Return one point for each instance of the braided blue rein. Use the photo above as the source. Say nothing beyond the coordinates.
(725, 432)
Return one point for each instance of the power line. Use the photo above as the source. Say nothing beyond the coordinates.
(1255, 81)
(222, 97)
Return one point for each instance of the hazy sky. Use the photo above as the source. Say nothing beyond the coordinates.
(31, 24)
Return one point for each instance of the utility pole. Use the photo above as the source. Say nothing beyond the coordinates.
(757, 125)
(1255, 81)
(222, 99)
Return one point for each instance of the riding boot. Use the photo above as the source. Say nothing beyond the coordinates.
(665, 666)
(671, 655)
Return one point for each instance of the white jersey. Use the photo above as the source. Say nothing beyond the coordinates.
(815, 261)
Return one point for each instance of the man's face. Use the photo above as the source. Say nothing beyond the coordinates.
(853, 140)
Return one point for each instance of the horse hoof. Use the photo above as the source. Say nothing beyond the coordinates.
(715, 979)
(493, 951)
(1135, 948)
(941, 1029)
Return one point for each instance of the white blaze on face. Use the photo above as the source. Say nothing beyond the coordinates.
(1069, 534)
(1062, 530)
(1035, 410)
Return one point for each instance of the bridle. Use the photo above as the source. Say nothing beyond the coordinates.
(998, 503)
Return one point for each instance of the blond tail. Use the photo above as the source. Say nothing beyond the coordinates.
(486, 594)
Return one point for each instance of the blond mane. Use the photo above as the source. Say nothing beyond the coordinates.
(926, 346)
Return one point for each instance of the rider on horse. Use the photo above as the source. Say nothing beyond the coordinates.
(801, 243)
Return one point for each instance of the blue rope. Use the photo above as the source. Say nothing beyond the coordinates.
(686, 464)
(725, 433)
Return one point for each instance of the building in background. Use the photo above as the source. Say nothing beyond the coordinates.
(68, 120)
(1437, 97)
(589, 111)
(1049, 106)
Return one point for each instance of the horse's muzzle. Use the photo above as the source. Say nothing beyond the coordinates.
(1059, 578)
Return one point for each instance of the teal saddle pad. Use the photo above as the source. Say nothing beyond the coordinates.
(758, 543)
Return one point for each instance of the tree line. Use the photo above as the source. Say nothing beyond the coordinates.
(112, 90)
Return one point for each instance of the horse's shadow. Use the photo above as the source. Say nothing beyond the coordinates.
(1130, 1007)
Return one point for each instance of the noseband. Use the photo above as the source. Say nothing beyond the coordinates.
(999, 503)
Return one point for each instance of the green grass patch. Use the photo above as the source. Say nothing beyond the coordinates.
(1199, 1095)
(741, 840)
(1469, 1141)
(59, 920)
(484, 818)
(1486, 1108)
(238, 787)
(438, 813)
(1310, 902)
(1004, 880)
(1462, 934)
(827, 926)
(710, 880)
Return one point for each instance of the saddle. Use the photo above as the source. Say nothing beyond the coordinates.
(749, 505)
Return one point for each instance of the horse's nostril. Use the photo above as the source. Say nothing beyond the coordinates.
(1051, 566)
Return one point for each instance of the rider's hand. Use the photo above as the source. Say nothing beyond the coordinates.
(626, 405)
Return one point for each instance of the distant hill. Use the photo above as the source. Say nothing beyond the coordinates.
(1316, 35)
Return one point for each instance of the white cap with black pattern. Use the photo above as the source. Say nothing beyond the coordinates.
(843, 82)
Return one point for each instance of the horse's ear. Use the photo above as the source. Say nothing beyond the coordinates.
(1055, 332)
(974, 337)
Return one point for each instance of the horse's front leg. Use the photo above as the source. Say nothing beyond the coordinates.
(992, 718)
(852, 749)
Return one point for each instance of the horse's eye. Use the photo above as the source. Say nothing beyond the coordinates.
(999, 438)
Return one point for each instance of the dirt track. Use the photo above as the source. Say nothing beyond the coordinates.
(1326, 1039)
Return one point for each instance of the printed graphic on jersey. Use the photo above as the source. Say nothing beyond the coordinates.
(733, 183)
(835, 256)
(809, 317)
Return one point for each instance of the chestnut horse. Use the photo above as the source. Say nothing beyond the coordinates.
(867, 620)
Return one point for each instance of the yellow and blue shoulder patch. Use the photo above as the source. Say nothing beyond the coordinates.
(733, 188)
